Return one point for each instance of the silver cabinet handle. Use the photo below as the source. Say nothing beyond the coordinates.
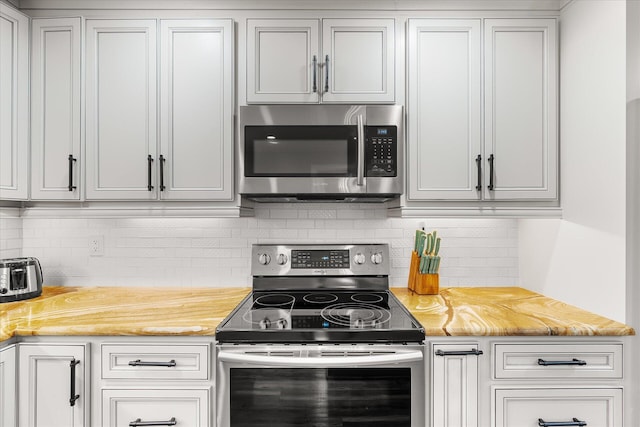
(360, 177)
(139, 423)
(169, 364)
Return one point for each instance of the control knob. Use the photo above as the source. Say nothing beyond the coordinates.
(3, 291)
(264, 259)
(282, 323)
(265, 323)
(282, 259)
(359, 258)
(376, 258)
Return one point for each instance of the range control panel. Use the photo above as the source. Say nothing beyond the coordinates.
(381, 151)
(320, 259)
(330, 260)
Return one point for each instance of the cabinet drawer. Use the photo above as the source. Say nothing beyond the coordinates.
(525, 407)
(185, 407)
(162, 362)
(558, 361)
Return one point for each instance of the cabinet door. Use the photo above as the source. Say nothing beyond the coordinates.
(8, 387)
(182, 407)
(46, 385)
(358, 57)
(533, 407)
(121, 109)
(455, 385)
(521, 130)
(283, 61)
(196, 98)
(55, 109)
(443, 109)
(14, 103)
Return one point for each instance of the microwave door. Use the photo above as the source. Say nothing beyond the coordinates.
(303, 159)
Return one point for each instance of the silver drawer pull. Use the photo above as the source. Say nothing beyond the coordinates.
(139, 423)
(473, 352)
(169, 364)
(575, 422)
(573, 362)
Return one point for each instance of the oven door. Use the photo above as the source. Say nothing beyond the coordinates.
(321, 385)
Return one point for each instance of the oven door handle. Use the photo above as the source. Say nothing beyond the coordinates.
(292, 362)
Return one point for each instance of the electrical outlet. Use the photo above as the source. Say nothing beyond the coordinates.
(96, 245)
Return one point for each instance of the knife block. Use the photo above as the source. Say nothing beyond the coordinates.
(427, 284)
(413, 270)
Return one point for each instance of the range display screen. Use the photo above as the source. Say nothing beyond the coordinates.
(320, 259)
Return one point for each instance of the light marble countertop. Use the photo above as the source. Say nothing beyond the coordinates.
(498, 311)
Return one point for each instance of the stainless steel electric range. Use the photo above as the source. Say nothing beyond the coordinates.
(321, 341)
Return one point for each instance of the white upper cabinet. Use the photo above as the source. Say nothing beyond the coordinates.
(287, 64)
(193, 158)
(449, 157)
(196, 109)
(120, 109)
(14, 104)
(358, 58)
(444, 109)
(55, 109)
(282, 61)
(521, 115)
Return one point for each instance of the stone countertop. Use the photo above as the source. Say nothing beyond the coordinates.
(486, 311)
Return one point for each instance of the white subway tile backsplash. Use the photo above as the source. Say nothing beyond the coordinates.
(215, 252)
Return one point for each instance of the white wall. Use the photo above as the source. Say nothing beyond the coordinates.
(581, 258)
(215, 251)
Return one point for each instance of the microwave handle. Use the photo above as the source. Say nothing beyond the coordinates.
(360, 177)
(255, 359)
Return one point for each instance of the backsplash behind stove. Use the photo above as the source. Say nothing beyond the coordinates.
(215, 251)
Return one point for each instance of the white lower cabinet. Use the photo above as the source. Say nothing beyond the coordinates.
(53, 389)
(546, 407)
(160, 382)
(8, 386)
(529, 382)
(454, 385)
(167, 407)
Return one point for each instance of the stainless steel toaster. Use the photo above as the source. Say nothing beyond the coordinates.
(20, 278)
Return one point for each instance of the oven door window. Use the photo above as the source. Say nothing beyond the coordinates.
(301, 151)
(348, 397)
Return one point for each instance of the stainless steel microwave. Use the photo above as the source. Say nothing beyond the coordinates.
(320, 152)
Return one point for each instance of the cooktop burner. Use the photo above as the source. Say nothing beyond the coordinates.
(320, 293)
(335, 316)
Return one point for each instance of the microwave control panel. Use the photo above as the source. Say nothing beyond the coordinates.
(381, 151)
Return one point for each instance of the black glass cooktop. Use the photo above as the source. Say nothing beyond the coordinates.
(320, 316)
